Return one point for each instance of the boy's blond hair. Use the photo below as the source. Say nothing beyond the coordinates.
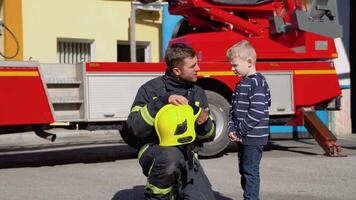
(243, 50)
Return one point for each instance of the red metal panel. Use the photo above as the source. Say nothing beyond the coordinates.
(238, 22)
(311, 89)
(125, 67)
(23, 98)
(213, 46)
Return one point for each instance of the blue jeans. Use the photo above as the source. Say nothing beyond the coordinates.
(249, 167)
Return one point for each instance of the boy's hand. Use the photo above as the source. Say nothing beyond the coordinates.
(234, 138)
(204, 115)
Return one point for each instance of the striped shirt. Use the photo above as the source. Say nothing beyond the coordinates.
(249, 115)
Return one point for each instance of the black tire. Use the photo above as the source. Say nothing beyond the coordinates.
(219, 109)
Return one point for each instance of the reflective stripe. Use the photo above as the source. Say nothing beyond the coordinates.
(197, 103)
(147, 116)
(257, 136)
(143, 149)
(210, 133)
(216, 73)
(324, 71)
(136, 108)
(149, 171)
(157, 190)
(211, 117)
(19, 73)
(196, 156)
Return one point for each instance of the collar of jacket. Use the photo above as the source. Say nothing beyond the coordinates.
(173, 83)
(253, 75)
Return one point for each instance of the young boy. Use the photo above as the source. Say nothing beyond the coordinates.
(249, 116)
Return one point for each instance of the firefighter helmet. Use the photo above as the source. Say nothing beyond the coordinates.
(175, 125)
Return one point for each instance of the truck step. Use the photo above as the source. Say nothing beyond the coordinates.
(65, 89)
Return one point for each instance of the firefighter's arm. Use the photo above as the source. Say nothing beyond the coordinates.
(140, 121)
(143, 112)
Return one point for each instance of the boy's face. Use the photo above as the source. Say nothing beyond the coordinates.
(188, 72)
(241, 67)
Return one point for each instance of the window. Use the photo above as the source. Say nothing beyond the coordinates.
(73, 51)
(143, 51)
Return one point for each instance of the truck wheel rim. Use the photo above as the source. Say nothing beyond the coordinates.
(218, 117)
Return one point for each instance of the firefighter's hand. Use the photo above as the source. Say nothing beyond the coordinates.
(204, 115)
(177, 100)
(234, 138)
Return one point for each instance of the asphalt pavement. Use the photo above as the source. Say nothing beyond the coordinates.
(98, 165)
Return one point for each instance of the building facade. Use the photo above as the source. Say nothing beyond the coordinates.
(52, 31)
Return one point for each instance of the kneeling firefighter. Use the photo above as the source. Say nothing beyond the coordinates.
(170, 118)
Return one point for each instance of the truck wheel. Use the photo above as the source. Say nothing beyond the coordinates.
(219, 109)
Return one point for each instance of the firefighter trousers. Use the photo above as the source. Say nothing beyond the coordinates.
(170, 177)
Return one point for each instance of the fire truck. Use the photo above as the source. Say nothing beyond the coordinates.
(294, 41)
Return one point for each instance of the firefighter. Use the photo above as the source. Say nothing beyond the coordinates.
(168, 161)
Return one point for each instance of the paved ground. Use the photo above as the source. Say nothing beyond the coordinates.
(82, 165)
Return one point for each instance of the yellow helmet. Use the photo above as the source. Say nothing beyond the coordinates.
(175, 125)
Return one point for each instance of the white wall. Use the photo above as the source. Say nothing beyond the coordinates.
(106, 22)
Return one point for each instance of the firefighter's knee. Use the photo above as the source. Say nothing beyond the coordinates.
(166, 167)
(173, 159)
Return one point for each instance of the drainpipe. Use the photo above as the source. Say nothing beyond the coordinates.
(135, 5)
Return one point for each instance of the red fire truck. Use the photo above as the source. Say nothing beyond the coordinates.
(295, 50)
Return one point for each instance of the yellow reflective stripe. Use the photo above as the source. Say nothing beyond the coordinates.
(211, 117)
(197, 103)
(149, 171)
(196, 156)
(210, 133)
(296, 72)
(19, 73)
(172, 195)
(322, 71)
(136, 108)
(216, 73)
(147, 116)
(143, 149)
(157, 190)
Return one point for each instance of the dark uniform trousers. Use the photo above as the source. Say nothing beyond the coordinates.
(170, 176)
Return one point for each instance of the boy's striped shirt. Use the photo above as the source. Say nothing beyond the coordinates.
(249, 115)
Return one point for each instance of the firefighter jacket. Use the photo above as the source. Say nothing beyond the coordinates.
(152, 96)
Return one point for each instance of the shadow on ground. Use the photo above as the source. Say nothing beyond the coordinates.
(304, 147)
(107, 151)
(136, 193)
